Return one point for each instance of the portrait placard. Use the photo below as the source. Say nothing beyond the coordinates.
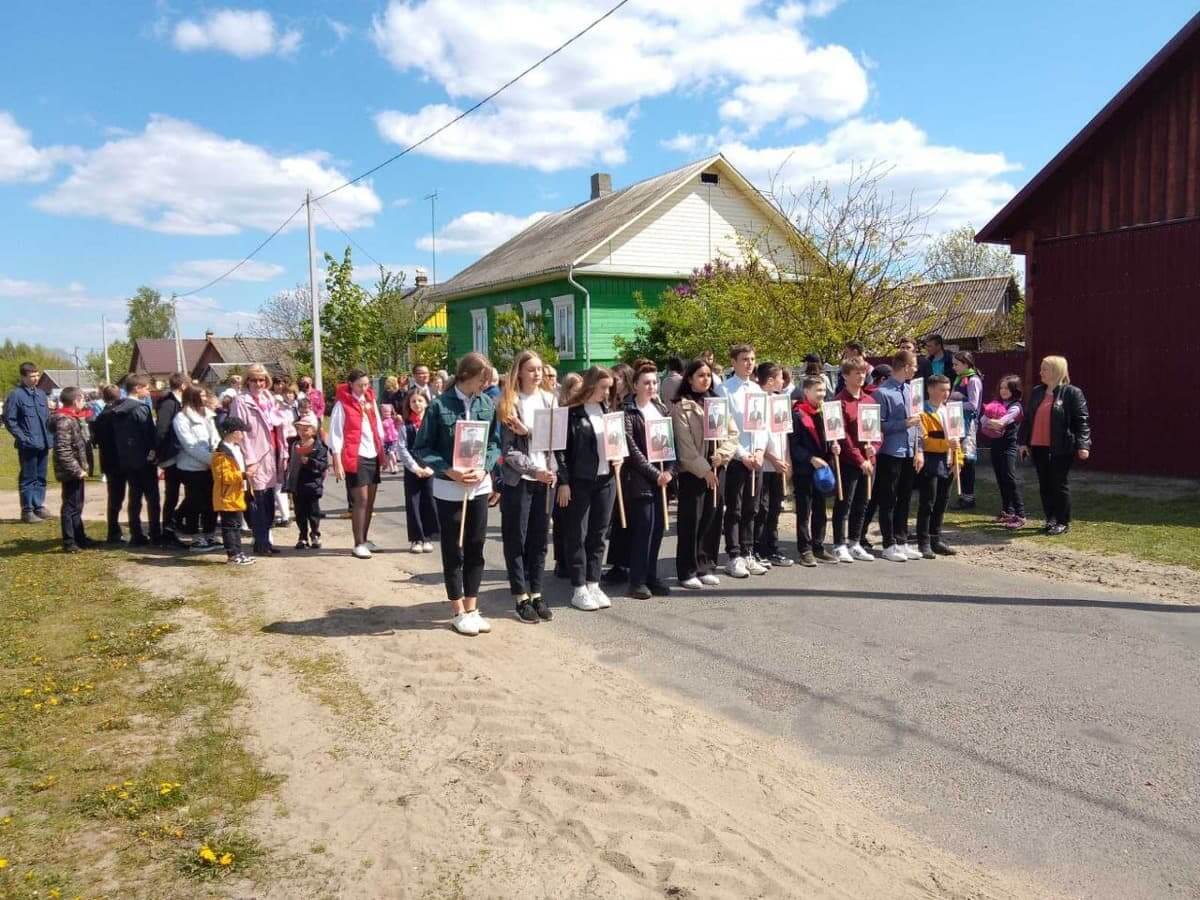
(835, 424)
(916, 399)
(870, 426)
(754, 411)
(780, 408)
(470, 445)
(716, 415)
(549, 430)
(614, 444)
(660, 440)
(954, 421)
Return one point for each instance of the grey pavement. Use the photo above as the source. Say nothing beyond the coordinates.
(1046, 728)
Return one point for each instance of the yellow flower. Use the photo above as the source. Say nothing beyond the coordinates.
(164, 790)
(226, 859)
(3, 863)
(207, 855)
(129, 784)
(55, 893)
(37, 706)
(124, 795)
(26, 692)
(53, 701)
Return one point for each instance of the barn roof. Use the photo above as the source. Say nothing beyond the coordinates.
(241, 350)
(152, 356)
(1000, 229)
(557, 241)
(967, 307)
(81, 378)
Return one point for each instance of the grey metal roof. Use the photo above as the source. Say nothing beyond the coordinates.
(62, 378)
(551, 244)
(967, 307)
(245, 350)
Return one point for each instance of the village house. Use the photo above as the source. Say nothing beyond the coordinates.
(54, 380)
(211, 360)
(967, 312)
(583, 268)
(1110, 231)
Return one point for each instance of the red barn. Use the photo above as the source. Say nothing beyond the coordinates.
(1110, 230)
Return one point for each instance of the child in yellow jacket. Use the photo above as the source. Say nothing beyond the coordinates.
(941, 456)
(230, 487)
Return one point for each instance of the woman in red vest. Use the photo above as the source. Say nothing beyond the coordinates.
(356, 440)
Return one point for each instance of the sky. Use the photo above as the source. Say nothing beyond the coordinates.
(159, 143)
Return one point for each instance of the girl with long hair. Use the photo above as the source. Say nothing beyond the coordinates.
(1001, 420)
(642, 484)
(356, 441)
(419, 513)
(618, 534)
(968, 387)
(196, 432)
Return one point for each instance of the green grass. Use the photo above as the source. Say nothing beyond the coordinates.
(119, 760)
(8, 462)
(1103, 521)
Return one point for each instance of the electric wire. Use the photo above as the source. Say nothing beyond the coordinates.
(346, 235)
(249, 256)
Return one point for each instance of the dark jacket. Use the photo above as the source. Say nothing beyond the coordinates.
(925, 366)
(166, 444)
(1070, 430)
(27, 418)
(802, 445)
(105, 441)
(133, 434)
(580, 460)
(434, 446)
(72, 453)
(639, 476)
(306, 476)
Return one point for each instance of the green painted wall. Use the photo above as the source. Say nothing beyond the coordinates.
(613, 309)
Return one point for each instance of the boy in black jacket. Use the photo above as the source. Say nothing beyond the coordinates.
(305, 480)
(135, 441)
(810, 452)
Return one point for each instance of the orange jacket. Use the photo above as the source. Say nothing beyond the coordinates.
(229, 482)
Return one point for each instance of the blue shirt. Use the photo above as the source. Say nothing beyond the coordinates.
(899, 440)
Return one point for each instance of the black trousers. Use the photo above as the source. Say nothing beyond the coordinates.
(524, 525)
(586, 519)
(1054, 472)
(143, 486)
(967, 478)
(306, 507)
(71, 513)
(231, 533)
(811, 515)
(116, 484)
(1004, 465)
(645, 537)
(173, 480)
(766, 516)
(558, 521)
(933, 493)
(462, 568)
(694, 523)
(893, 491)
(852, 506)
(419, 513)
(740, 507)
(618, 542)
(195, 515)
(262, 519)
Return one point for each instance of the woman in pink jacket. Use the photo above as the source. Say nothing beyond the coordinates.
(265, 451)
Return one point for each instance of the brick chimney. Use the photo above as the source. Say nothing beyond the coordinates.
(208, 335)
(601, 185)
(421, 280)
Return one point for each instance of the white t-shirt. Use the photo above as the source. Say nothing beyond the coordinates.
(337, 432)
(595, 414)
(736, 389)
(527, 403)
(650, 411)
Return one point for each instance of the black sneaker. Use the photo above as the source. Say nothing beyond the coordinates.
(822, 554)
(526, 612)
(965, 503)
(778, 559)
(29, 517)
(72, 548)
(1057, 529)
(1048, 526)
(44, 514)
(927, 552)
(659, 588)
(301, 544)
(808, 560)
(139, 540)
(943, 549)
(640, 593)
(539, 606)
(615, 575)
(315, 543)
(115, 539)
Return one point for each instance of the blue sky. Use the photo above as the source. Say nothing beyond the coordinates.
(150, 143)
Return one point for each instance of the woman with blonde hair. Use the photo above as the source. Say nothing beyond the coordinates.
(1056, 432)
(265, 451)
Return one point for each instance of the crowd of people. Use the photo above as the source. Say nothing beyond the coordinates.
(249, 459)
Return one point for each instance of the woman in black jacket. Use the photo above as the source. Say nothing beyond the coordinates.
(642, 483)
(1056, 432)
(585, 487)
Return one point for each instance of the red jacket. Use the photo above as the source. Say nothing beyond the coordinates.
(352, 430)
(852, 448)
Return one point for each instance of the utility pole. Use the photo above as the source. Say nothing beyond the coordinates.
(180, 358)
(104, 349)
(78, 379)
(313, 296)
(432, 198)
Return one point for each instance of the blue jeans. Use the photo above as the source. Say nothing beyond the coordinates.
(31, 482)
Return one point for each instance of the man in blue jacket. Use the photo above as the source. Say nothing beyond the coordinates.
(27, 418)
(899, 459)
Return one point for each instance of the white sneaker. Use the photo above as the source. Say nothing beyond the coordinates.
(762, 561)
(370, 545)
(583, 599)
(710, 579)
(692, 584)
(482, 625)
(736, 568)
(895, 553)
(754, 567)
(362, 551)
(912, 552)
(464, 623)
(417, 547)
(842, 554)
(860, 554)
(601, 598)
(427, 547)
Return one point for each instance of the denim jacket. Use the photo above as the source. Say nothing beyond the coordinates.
(434, 446)
(27, 418)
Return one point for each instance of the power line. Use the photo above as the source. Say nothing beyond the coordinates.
(496, 93)
(346, 235)
(248, 256)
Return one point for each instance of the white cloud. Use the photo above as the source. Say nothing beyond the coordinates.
(478, 232)
(971, 186)
(196, 272)
(244, 33)
(685, 143)
(813, 9)
(16, 288)
(340, 30)
(760, 68)
(177, 178)
(20, 160)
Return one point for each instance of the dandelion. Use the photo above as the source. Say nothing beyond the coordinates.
(55, 893)
(3, 863)
(226, 859)
(53, 701)
(27, 692)
(37, 706)
(123, 795)
(207, 854)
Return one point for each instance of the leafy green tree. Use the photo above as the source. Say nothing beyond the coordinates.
(430, 351)
(119, 352)
(149, 315)
(516, 332)
(956, 255)
(12, 354)
(349, 322)
(398, 319)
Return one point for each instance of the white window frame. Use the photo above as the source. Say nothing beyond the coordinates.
(531, 308)
(479, 324)
(564, 340)
(502, 308)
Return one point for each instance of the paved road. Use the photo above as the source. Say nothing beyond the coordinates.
(1042, 727)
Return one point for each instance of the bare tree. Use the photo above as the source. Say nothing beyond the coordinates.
(283, 316)
(956, 255)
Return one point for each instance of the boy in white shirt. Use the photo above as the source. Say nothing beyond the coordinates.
(745, 469)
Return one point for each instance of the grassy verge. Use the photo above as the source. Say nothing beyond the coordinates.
(1152, 529)
(121, 773)
(8, 461)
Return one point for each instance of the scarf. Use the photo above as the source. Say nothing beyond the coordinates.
(808, 414)
(73, 413)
